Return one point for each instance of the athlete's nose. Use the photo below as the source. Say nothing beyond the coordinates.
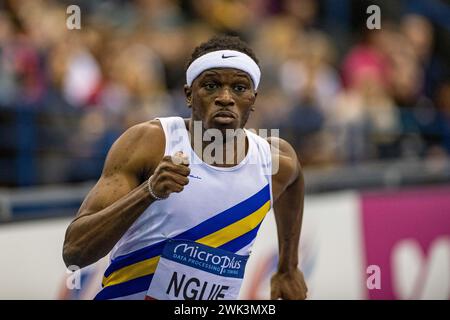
(224, 98)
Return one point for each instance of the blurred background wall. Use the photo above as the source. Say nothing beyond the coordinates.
(366, 110)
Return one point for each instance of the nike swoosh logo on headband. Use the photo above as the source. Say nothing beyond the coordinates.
(225, 57)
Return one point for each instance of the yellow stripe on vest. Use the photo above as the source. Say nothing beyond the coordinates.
(136, 270)
(236, 229)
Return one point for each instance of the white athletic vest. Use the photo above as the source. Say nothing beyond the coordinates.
(221, 207)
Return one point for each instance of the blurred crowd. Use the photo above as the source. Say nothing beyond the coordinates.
(339, 92)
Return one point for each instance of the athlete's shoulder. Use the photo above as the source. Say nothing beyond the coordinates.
(146, 137)
(281, 145)
(285, 163)
(140, 146)
(149, 131)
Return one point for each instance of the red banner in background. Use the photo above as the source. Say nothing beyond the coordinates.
(407, 234)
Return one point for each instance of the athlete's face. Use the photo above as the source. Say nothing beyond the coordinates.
(221, 98)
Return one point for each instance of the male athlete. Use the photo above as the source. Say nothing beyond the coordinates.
(179, 222)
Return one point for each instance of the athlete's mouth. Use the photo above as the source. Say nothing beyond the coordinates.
(224, 117)
(225, 114)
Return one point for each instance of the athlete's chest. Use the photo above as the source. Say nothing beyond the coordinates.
(210, 195)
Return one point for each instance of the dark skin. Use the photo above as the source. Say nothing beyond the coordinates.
(221, 99)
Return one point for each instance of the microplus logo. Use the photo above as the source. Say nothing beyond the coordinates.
(223, 261)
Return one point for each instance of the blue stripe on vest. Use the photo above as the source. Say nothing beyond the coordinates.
(211, 225)
(229, 216)
(135, 257)
(240, 242)
(125, 289)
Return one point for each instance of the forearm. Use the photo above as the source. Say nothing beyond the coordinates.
(92, 236)
(289, 215)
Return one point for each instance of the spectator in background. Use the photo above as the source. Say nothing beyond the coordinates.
(136, 78)
(365, 117)
(126, 64)
(82, 75)
(273, 40)
(310, 82)
(419, 121)
(302, 12)
(419, 33)
(224, 16)
(22, 71)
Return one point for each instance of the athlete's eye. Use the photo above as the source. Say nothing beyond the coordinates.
(240, 88)
(210, 86)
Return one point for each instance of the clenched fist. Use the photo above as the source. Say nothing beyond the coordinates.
(288, 286)
(171, 175)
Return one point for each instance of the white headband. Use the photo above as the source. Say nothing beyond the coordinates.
(224, 59)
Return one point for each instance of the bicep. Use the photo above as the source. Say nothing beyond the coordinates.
(136, 152)
(120, 174)
(106, 191)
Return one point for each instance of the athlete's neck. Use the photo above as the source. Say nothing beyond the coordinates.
(216, 147)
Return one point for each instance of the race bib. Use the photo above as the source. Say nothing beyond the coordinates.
(188, 270)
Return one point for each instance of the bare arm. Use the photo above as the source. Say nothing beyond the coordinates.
(117, 199)
(288, 189)
(289, 215)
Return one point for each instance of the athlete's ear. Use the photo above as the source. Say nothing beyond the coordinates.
(188, 94)
(254, 98)
(252, 108)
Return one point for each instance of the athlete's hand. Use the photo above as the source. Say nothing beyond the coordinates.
(288, 286)
(171, 175)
